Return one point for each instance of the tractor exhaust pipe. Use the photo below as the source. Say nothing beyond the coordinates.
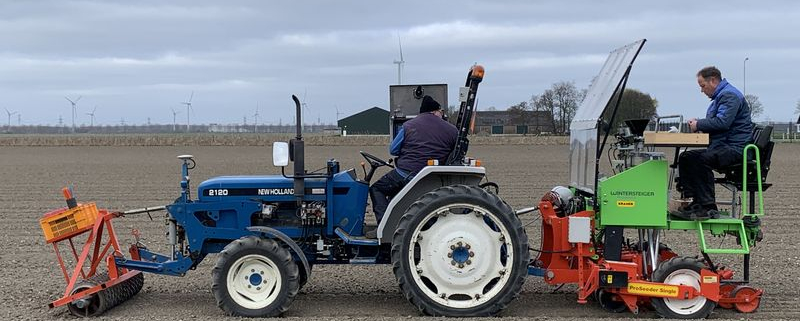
(298, 157)
(298, 110)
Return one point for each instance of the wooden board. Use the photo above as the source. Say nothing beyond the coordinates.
(675, 139)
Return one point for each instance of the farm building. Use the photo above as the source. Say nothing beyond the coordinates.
(373, 121)
(505, 122)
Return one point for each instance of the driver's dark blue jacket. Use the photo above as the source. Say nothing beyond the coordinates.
(727, 121)
(425, 137)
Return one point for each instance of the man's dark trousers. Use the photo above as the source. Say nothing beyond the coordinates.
(696, 176)
(380, 192)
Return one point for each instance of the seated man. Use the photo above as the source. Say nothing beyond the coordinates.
(729, 127)
(425, 137)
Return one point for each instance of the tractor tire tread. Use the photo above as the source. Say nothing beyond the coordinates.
(397, 254)
(218, 273)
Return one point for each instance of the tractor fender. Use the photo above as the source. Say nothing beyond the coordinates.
(428, 179)
(273, 233)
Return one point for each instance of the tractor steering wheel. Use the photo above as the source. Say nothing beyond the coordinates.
(374, 161)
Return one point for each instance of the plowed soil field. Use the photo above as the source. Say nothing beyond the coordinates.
(120, 178)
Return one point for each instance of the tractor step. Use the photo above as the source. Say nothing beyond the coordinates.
(355, 240)
(363, 260)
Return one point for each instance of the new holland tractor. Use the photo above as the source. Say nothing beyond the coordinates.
(456, 249)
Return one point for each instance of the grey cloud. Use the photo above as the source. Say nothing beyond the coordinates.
(139, 59)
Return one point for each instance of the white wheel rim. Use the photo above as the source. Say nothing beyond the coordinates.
(254, 281)
(688, 306)
(460, 255)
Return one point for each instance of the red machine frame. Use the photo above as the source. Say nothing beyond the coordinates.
(580, 263)
(99, 253)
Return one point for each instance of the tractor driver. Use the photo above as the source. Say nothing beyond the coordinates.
(729, 127)
(425, 137)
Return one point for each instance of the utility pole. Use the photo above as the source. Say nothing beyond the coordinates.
(255, 122)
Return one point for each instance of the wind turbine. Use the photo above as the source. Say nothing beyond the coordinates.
(255, 122)
(74, 110)
(8, 129)
(174, 118)
(188, 107)
(303, 111)
(91, 115)
(400, 62)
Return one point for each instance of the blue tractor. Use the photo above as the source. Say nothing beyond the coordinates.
(456, 249)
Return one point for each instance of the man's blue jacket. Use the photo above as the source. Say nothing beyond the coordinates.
(727, 120)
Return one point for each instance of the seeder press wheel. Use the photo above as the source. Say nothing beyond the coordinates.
(97, 303)
(681, 271)
(748, 298)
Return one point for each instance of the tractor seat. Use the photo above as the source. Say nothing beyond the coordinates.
(732, 175)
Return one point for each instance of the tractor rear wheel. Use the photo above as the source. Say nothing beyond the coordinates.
(460, 251)
(681, 271)
(255, 277)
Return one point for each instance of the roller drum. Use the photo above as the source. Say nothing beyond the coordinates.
(105, 299)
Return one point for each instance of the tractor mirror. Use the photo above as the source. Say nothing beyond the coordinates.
(280, 154)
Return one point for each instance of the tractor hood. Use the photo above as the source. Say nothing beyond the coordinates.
(247, 186)
(254, 180)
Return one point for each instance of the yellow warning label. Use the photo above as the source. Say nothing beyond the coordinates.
(710, 279)
(653, 290)
(626, 203)
(609, 279)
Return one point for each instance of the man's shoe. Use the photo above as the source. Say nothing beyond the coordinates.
(712, 210)
(694, 212)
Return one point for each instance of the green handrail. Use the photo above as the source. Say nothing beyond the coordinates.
(744, 182)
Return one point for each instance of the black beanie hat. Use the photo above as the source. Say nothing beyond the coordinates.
(428, 105)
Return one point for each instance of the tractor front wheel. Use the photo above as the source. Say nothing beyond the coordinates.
(681, 271)
(460, 251)
(255, 277)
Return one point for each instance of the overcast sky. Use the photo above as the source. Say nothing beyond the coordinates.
(138, 59)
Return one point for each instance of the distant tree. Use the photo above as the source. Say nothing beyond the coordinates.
(561, 101)
(634, 105)
(546, 102)
(756, 109)
(519, 113)
(568, 98)
(491, 108)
